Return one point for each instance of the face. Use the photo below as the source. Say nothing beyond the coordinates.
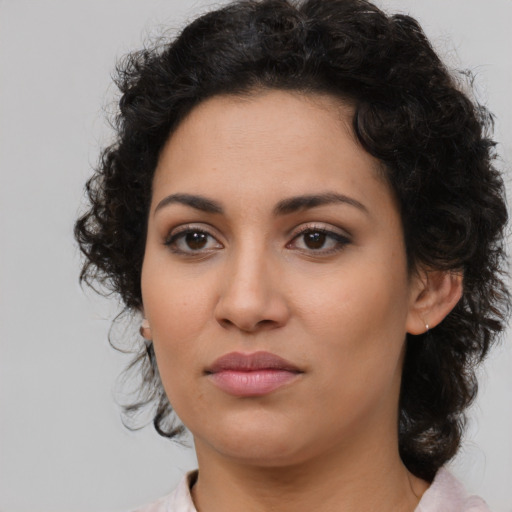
(275, 280)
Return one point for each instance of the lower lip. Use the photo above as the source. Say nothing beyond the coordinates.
(252, 383)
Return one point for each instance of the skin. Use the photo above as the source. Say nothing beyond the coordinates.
(340, 311)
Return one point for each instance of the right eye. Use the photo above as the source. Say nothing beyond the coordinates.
(192, 241)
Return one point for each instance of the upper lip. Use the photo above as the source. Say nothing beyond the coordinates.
(238, 361)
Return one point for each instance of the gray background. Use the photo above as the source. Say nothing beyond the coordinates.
(62, 445)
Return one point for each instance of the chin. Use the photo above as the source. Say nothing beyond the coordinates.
(256, 443)
(263, 445)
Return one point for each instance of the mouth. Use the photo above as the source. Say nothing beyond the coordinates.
(250, 375)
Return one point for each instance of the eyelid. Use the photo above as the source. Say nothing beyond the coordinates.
(191, 226)
(322, 227)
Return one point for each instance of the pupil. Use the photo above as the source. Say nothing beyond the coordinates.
(196, 240)
(315, 240)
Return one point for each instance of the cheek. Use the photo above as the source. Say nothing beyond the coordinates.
(177, 312)
(356, 302)
(359, 324)
(175, 305)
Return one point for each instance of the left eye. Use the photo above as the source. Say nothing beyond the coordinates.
(319, 240)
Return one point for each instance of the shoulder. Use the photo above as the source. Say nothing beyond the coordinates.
(447, 494)
(178, 501)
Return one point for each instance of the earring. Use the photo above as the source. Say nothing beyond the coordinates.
(145, 330)
(427, 328)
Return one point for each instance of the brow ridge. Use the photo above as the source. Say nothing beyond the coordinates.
(284, 207)
(194, 201)
(304, 202)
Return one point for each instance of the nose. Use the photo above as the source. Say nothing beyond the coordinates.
(251, 297)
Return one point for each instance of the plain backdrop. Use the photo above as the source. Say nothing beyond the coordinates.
(62, 445)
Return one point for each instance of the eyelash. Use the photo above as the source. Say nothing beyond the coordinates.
(340, 241)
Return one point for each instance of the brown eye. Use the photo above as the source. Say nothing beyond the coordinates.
(192, 242)
(319, 241)
(314, 239)
(196, 240)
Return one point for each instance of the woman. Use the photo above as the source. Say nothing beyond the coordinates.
(301, 205)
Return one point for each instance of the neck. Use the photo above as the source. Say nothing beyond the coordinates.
(344, 480)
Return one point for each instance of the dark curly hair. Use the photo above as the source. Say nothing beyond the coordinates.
(409, 112)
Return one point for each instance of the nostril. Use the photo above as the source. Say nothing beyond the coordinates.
(225, 322)
(250, 305)
(266, 323)
(247, 326)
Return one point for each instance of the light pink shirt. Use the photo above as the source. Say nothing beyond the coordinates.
(446, 494)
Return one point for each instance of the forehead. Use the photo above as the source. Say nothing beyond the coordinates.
(272, 142)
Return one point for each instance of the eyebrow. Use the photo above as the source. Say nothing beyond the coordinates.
(284, 207)
(194, 201)
(305, 202)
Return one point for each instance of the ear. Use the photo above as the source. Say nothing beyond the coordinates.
(145, 330)
(434, 293)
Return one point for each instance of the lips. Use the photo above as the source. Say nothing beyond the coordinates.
(249, 375)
